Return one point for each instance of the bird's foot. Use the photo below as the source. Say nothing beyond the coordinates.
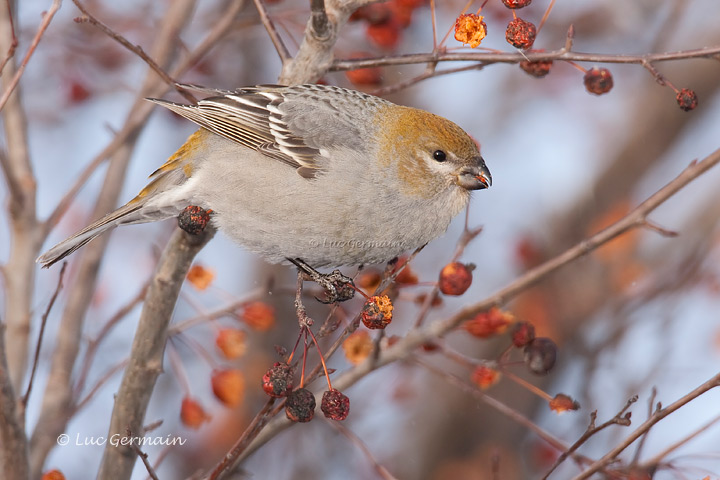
(338, 287)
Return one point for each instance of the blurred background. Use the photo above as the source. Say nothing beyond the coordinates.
(641, 313)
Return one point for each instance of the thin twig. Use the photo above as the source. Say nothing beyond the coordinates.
(355, 440)
(144, 457)
(643, 439)
(47, 18)
(642, 429)
(621, 418)
(664, 453)
(136, 49)
(497, 57)
(43, 323)
(280, 47)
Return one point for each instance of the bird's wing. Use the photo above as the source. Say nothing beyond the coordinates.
(295, 125)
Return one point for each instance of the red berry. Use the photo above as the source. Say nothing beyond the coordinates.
(278, 380)
(300, 405)
(455, 278)
(192, 414)
(540, 355)
(598, 80)
(687, 99)
(335, 405)
(516, 3)
(537, 69)
(522, 333)
(384, 35)
(520, 33)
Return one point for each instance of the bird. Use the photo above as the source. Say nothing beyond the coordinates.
(317, 174)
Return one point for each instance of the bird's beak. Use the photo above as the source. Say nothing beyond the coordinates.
(475, 177)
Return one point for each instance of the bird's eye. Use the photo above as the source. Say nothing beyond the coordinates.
(439, 155)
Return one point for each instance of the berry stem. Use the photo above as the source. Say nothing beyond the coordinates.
(546, 15)
(524, 383)
(322, 358)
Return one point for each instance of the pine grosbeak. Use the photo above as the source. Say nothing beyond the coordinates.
(319, 173)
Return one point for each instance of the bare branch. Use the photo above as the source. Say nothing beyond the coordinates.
(146, 356)
(13, 443)
(500, 57)
(43, 322)
(13, 42)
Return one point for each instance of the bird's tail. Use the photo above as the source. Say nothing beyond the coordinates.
(129, 213)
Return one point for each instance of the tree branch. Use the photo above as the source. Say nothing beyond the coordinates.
(502, 57)
(146, 356)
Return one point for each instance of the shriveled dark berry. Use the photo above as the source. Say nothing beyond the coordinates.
(687, 99)
(520, 33)
(598, 80)
(537, 69)
(335, 405)
(540, 355)
(194, 219)
(516, 3)
(278, 380)
(300, 405)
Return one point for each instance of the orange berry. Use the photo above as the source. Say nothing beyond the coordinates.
(258, 315)
(228, 386)
(192, 414)
(357, 347)
(485, 377)
(200, 277)
(231, 342)
(562, 403)
(455, 278)
(53, 475)
(377, 312)
(487, 324)
(470, 29)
